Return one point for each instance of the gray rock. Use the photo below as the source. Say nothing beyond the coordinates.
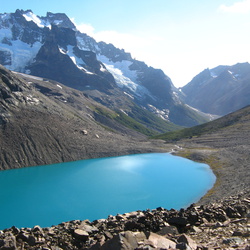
(187, 240)
(183, 246)
(81, 234)
(25, 236)
(168, 230)
(232, 240)
(132, 240)
(8, 243)
(88, 228)
(195, 229)
(125, 241)
(161, 242)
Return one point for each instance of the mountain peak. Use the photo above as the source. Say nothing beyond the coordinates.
(21, 11)
(52, 47)
(225, 91)
(59, 19)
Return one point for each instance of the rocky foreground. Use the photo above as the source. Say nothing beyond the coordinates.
(221, 225)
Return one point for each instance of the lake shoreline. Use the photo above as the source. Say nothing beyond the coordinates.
(231, 191)
(222, 160)
(221, 225)
(138, 182)
(232, 177)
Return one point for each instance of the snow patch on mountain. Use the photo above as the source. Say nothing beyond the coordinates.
(5, 16)
(86, 43)
(233, 75)
(57, 22)
(81, 43)
(213, 74)
(5, 33)
(30, 16)
(76, 60)
(124, 76)
(120, 70)
(162, 113)
(21, 54)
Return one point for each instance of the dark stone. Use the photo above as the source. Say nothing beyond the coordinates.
(242, 210)
(178, 221)
(232, 213)
(193, 218)
(15, 230)
(182, 246)
(25, 236)
(132, 225)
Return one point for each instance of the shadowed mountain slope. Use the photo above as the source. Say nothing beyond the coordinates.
(220, 90)
(43, 122)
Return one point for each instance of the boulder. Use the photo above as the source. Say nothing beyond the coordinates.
(81, 234)
(188, 241)
(26, 237)
(138, 240)
(85, 226)
(178, 221)
(160, 242)
(126, 241)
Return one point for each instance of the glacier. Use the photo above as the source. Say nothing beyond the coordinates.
(21, 54)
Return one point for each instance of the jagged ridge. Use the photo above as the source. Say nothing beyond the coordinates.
(52, 47)
(220, 90)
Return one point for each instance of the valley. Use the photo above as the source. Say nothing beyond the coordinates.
(65, 97)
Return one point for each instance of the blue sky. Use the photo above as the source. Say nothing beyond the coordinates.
(181, 37)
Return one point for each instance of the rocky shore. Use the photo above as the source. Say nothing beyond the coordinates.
(220, 220)
(221, 225)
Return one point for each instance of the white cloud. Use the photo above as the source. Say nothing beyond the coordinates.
(237, 7)
(134, 44)
(84, 27)
(121, 40)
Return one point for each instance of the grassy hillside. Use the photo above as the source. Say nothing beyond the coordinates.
(139, 120)
(233, 119)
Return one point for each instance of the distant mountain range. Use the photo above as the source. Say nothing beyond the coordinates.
(51, 47)
(137, 96)
(220, 90)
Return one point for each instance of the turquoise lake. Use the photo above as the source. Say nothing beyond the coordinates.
(93, 189)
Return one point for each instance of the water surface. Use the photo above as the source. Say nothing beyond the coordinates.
(93, 189)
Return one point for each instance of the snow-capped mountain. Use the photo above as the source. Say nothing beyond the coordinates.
(53, 48)
(220, 90)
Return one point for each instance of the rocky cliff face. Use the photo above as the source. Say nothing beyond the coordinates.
(53, 48)
(221, 90)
